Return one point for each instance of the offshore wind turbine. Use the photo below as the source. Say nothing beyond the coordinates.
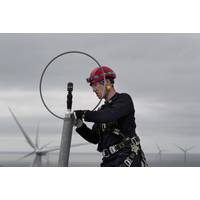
(160, 151)
(184, 150)
(38, 151)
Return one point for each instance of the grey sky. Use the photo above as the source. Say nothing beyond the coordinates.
(160, 71)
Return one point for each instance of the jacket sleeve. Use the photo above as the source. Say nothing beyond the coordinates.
(121, 107)
(88, 134)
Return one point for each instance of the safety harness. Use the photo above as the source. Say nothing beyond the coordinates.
(132, 143)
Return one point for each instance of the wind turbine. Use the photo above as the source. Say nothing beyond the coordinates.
(184, 150)
(38, 151)
(160, 151)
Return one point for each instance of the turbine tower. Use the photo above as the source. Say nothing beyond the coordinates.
(184, 150)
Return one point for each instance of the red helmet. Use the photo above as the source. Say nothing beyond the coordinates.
(97, 74)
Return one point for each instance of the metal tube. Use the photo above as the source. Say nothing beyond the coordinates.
(66, 140)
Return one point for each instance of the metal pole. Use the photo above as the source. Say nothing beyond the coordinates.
(67, 131)
(66, 140)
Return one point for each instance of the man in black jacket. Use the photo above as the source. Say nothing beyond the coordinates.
(114, 123)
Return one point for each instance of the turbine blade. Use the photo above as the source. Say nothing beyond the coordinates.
(58, 148)
(180, 148)
(37, 136)
(27, 155)
(80, 144)
(22, 130)
(42, 147)
(50, 150)
(160, 151)
(188, 149)
(158, 147)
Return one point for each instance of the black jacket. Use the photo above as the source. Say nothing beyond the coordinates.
(118, 112)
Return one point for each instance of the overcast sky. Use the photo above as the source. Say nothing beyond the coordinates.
(160, 71)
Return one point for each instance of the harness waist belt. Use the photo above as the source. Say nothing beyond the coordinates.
(130, 142)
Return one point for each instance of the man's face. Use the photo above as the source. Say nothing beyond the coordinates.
(98, 89)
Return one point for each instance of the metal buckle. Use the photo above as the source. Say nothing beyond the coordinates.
(105, 153)
(128, 162)
(112, 149)
(135, 140)
(116, 131)
(135, 149)
(121, 145)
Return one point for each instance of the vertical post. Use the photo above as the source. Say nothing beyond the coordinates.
(66, 141)
(67, 131)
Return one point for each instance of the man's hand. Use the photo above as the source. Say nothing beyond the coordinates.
(79, 114)
(78, 123)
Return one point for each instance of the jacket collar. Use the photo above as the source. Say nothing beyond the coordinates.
(112, 99)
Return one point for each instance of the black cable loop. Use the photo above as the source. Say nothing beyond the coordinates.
(43, 72)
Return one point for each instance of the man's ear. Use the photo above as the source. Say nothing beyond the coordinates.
(108, 85)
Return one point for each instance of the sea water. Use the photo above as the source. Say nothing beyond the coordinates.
(11, 159)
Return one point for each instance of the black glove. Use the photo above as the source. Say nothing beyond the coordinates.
(80, 114)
